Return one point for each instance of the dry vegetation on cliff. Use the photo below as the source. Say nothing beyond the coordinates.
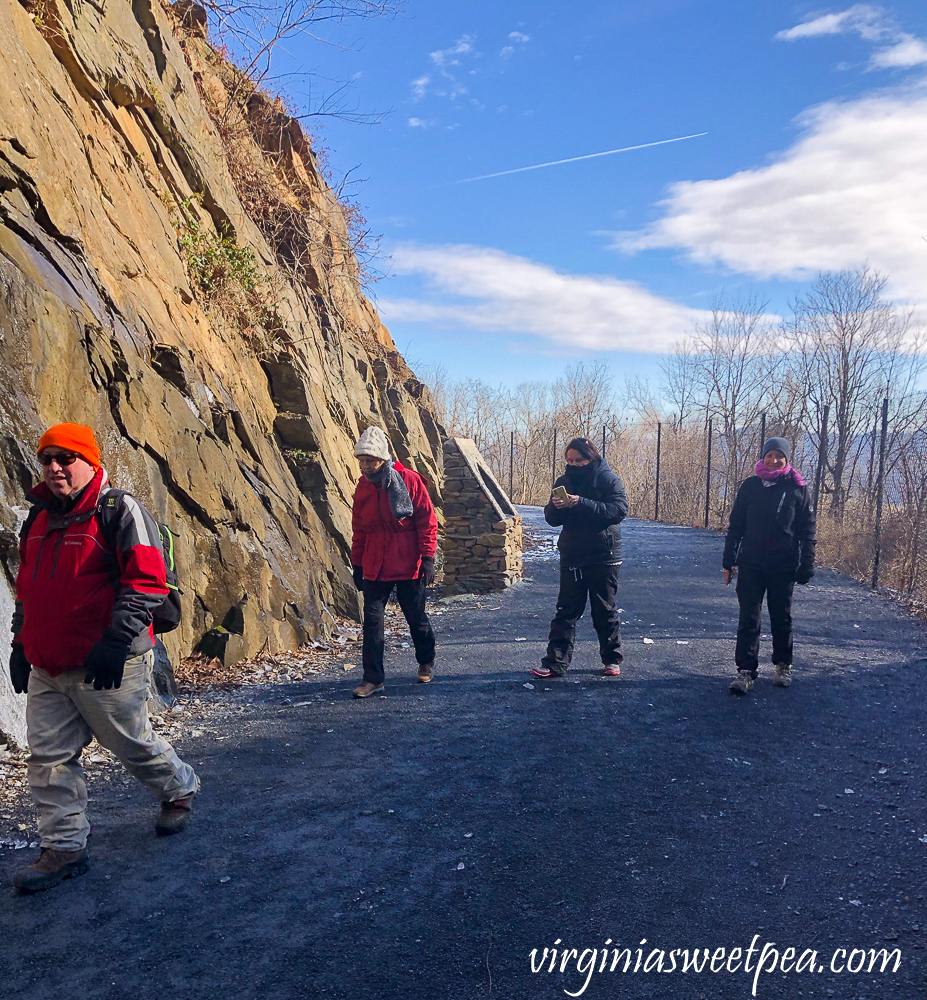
(170, 252)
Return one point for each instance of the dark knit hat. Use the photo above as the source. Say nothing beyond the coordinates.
(778, 444)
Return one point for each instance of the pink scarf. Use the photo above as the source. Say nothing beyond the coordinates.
(772, 477)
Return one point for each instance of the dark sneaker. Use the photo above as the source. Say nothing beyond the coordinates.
(545, 673)
(783, 676)
(50, 868)
(366, 689)
(426, 672)
(174, 816)
(742, 683)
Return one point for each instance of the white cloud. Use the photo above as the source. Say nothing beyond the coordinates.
(514, 295)
(908, 51)
(420, 87)
(420, 123)
(447, 57)
(853, 188)
(901, 50)
(506, 51)
(862, 19)
(520, 37)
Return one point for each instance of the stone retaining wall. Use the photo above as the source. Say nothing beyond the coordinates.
(482, 530)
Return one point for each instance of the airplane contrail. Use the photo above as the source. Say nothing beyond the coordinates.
(573, 159)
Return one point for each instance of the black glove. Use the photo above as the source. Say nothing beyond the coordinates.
(105, 664)
(20, 668)
(427, 572)
(803, 575)
(359, 577)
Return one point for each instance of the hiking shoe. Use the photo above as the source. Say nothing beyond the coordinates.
(742, 683)
(611, 670)
(366, 689)
(50, 868)
(783, 676)
(425, 672)
(174, 816)
(544, 673)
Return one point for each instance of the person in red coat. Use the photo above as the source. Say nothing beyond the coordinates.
(395, 537)
(83, 650)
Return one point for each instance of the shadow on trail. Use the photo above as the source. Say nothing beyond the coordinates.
(422, 844)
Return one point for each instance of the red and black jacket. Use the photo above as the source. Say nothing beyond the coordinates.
(73, 585)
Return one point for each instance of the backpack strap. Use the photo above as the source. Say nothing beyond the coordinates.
(108, 512)
(34, 512)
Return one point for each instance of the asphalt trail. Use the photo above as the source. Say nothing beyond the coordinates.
(422, 844)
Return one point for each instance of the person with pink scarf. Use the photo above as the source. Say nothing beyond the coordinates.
(769, 547)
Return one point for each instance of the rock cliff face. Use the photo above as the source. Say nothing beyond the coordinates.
(175, 273)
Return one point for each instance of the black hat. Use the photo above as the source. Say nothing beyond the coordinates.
(778, 444)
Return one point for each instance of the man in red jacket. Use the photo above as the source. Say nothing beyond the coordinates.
(395, 537)
(83, 650)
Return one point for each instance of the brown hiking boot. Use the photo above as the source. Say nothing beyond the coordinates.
(50, 868)
(783, 676)
(742, 683)
(425, 672)
(174, 816)
(366, 689)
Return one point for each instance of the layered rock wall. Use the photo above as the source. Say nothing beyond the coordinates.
(482, 530)
(227, 400)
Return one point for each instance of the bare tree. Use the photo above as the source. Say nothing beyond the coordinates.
(853, 347)
(729, 368)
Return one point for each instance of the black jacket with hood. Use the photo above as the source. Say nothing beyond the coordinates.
(772, 528)
(590, 534)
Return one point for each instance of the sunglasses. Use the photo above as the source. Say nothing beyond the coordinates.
(62, 458)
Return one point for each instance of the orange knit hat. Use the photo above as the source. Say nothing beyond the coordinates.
(72, 437)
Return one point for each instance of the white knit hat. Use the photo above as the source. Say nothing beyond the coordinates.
(375, 443)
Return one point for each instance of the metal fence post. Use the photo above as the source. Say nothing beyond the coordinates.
(656, 499)
(511, 465)
(554, 461)
(708, 473)
(763, 429)
(822, 460)
(880, 489)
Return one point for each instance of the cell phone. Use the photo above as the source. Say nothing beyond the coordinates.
(560, 492)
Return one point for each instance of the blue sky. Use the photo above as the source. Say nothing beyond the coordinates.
(815, 157)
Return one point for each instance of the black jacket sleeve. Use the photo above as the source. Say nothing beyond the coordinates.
(555, 516)
(735, 529)
(806, 532)
(611, 509)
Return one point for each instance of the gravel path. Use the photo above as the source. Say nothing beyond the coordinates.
(421, 845)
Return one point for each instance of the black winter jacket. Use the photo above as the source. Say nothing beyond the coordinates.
(771, 528)
(590, 534)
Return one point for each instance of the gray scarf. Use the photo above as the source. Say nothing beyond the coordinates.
(400, 503)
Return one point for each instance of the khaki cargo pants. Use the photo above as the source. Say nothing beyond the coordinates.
(63, 714)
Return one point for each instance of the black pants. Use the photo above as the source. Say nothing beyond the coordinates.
(599, 584)
(778, 587)
(411, 597)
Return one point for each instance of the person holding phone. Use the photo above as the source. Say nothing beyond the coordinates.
(589, 502)
(770, 547)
